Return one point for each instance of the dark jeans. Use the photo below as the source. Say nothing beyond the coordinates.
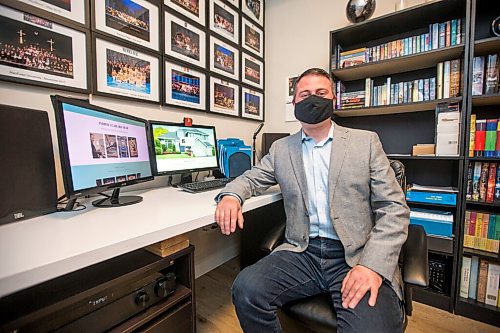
(285, 276)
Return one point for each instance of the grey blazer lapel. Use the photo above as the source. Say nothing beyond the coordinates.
(295, 152)
(339, 149)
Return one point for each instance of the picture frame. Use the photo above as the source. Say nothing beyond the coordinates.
(134, 21)
(235, 3)
(254, 9)
(193, 12)
(184, 41)
(184, 87)
(224, 20)
(224, 97)
(72, 11)
(252, 104)
(122, 70)
(40, 52)
(252, 71)
(252, 38)
(224, 59)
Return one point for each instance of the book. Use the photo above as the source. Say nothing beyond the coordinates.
(497, 185)
(453, 32)
(475, 181)
(491, 81)
(497, 145)
(491, 137)
(480, 138)
(492, 176)
(442, 35)
(465, 277)
(439, 80)
(483, 181)
(446, 79)
(478, 75)
(470, 171)
(426, 90)
(448, 34)
(492, 284)
(472, 134)
(459, 31)
(474, 272)
(368, 89)
(432, 88)
(481, 281)
(455, 78)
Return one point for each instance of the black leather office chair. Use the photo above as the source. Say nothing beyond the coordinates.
(316, 313)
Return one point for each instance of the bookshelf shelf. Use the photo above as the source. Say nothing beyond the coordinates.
(432, 298)
(469, 308)
(399, 64)
(483, 100)
(487, 45)
(479, 203)
(484, 159)
(430, 205)
(404, 157)
(395, 108)
(482, 254)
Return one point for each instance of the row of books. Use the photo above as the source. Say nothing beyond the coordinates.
(482, 231)
(448, 79)
(485, 75)
(483, 182)
(440, 35)
(448, 129)
(351, 100)
(484, 139)
(480, 280)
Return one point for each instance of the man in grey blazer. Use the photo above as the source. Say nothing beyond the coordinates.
(346, 221)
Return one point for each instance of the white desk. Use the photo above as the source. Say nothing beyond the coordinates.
(40, 249)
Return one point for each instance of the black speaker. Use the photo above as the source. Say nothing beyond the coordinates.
(268, 139)
(27, 174)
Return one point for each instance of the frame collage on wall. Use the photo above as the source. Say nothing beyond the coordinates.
(201, 55)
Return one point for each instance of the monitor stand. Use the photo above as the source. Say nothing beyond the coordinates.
(185, 178)
(115, 200)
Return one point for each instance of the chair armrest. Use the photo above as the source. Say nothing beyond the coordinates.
(272, 238)
(415, 258)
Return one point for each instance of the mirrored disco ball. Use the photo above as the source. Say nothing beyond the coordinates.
(359, 10)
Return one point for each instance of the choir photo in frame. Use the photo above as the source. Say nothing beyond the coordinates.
(135, 21)
(224, 20)
(184, 87)
(252, 104)
(73, 10)
(41, 52)
(184, 41)
(192, 9)
(254, 9)
(224, 59)
(224, 97)
(252, 38)
(252, 71)
(123, 71)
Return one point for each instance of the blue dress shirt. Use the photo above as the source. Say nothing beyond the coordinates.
(316, 158)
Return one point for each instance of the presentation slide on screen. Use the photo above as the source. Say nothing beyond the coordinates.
(184, 148)
(104, 149)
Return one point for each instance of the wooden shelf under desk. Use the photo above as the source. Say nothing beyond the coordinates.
(399, 65)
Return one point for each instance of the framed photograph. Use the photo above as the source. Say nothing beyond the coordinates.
(252, 71)
(252, 104)
(224, 97)
(184, 41)
(184, 87)
(235, 3)
(72, 10)
(192, 9)
(254, 9)
(224, 20)
(252, 38)
(224, 59)
(123, 71)
(40, 52)
(136, 21)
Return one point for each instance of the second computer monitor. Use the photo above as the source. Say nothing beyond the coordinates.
(180, 149)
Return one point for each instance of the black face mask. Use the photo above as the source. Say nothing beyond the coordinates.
(314, 109)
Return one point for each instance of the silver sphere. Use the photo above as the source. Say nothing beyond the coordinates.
(359, 10)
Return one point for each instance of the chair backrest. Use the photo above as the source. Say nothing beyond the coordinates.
(399, 171)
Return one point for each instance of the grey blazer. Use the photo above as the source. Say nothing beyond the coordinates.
(367, 204)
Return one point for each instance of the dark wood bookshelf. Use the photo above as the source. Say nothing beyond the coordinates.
(479, 311)
(480, 203)
(481, 253)
(423, 157)
(431, 297)
(487, 45)
(486, 159)
(395, 108)
(482, 100)
(399, 65)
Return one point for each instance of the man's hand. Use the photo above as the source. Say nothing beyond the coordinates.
(227, 213)
(357, 282)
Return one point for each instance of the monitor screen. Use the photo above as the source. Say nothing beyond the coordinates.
(100, 148)
(183, 149)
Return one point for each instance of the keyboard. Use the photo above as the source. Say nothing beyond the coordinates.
(205, 185)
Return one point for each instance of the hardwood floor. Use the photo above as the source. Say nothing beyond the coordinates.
(215, 312)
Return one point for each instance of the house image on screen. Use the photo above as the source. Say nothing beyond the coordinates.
(192, 142)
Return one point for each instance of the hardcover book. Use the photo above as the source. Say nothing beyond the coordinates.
(465, 276)
(481, 281)
(455, 78)
(491, 85)
(483, 181)
(478, 75)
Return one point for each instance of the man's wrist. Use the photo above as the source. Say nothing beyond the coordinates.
(219, 197)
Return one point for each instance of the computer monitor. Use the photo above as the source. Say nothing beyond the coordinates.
(100, 150)
(183, 149)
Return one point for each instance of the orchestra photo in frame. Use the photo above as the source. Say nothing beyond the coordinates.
(224, 59)
(184, 87)
(252, 104)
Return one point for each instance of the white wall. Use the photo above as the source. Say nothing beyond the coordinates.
(297, 38)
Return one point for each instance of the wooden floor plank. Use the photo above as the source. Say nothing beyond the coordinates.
(216, 314)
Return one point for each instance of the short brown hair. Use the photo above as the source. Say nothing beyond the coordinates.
(312, 71)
